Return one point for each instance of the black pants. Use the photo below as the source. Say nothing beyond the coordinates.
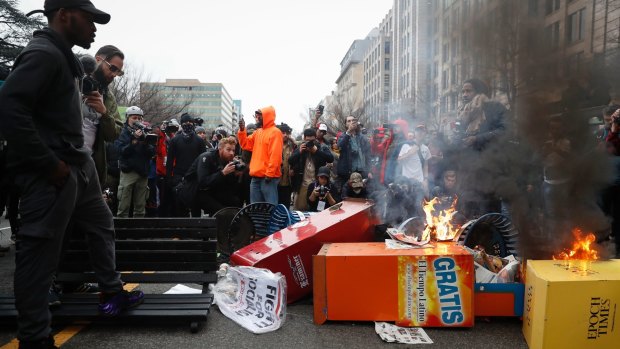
(213, 201)
(284, 195)
(46, 214)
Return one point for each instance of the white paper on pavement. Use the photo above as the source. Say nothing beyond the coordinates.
(255, 298)
(182, 289)
(406, 335)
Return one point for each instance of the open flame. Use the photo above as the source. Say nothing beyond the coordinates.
(582, 248)
(439, 222)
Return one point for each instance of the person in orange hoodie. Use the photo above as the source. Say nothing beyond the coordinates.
(266, 147)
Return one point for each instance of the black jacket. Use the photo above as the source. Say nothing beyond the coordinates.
(297, 160)
(40, 107)
(343, 168)
(182, 152)
(133, 157)
(208, 167)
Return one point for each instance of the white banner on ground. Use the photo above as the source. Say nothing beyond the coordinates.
(255, 298)
(406, 335)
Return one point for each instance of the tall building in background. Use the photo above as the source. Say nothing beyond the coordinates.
(209, 101)
(377, 73)
(412, 57)
(348, 98)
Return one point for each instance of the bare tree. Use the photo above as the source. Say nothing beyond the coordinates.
(15, 31)
(343, 106)
(157, 103)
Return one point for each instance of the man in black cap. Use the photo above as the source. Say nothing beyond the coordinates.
(42, 123)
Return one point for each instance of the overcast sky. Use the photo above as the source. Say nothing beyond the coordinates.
(285, 53)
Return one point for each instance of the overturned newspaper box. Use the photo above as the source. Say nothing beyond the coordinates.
(425, 287)
(289, 251)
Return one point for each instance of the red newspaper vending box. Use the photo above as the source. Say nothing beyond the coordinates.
(289, 251)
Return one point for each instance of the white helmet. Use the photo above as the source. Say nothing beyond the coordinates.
(133, 110)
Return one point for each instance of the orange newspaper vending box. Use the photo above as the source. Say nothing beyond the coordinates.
(426, 287)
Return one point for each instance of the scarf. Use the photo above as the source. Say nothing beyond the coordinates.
(472, 114)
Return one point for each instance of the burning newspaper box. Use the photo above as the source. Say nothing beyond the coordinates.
(425, 287)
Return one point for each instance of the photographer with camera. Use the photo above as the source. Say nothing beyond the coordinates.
(135, 156)
(321, 194)
(355, 154)
(165, 133)
(101, 120)
(217, 174)
(305, 162)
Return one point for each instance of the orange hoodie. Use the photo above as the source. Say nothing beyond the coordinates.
(266, 146)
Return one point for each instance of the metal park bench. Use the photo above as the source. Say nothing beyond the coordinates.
(148, 250)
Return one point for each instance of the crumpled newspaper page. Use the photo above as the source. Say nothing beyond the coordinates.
(406, 335)
(391, 244)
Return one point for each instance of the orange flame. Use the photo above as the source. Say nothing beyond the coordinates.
(439, 222)
(581, 250)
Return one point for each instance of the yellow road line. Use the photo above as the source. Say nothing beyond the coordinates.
(66, 333)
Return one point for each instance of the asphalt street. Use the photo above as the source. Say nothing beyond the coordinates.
(298, 331)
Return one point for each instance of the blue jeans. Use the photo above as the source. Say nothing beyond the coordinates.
(263, 191)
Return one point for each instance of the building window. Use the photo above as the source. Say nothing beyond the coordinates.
(575, 26)
(552, 35)
(387, 64)
(551, 6)
(445, 53)
(444, 80)
(386, 80)
(387, 46)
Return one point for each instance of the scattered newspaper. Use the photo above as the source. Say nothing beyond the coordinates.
(182, 289)
(399, 235)
(405, 335)
(397, 245)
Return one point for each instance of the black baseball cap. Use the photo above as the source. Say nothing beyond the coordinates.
(49, 6)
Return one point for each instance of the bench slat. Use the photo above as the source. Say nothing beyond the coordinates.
(152, 233)
(151, 245)
(123, 256)
(156, 278)
(145, 266)
(183, 223)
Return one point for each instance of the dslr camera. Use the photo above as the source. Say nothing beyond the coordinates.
(310, 144)
(89, 85)
(323, 190)
(239, 165)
